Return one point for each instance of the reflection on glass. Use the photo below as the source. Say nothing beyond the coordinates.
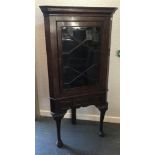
(80, 56)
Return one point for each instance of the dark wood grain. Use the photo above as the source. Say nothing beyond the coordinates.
(60, 99)
(78, 10)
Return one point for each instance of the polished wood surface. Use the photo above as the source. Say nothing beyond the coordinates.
(78, 10)
(61, 99)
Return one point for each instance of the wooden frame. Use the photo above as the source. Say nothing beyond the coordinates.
(54, 18)
(83, 89)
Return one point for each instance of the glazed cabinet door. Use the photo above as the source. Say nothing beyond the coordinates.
(82, 53)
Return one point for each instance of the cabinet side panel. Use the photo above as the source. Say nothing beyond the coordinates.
(55, 56)
(48, 51)
(109, 24)
(107, 32)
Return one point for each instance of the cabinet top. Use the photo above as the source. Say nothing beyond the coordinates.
(77, 10)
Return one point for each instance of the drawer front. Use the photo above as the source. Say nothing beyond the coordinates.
(77, 102)
(86, 101)
(82, 102)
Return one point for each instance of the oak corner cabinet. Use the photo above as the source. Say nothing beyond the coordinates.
(78, 50)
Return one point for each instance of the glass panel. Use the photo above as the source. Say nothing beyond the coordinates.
(80, 56)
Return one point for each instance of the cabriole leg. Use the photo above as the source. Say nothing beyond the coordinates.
(102, 114)
(57, 118)
(73, 115)
(102, 109)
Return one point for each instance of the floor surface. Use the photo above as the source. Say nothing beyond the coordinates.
(79, 139)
